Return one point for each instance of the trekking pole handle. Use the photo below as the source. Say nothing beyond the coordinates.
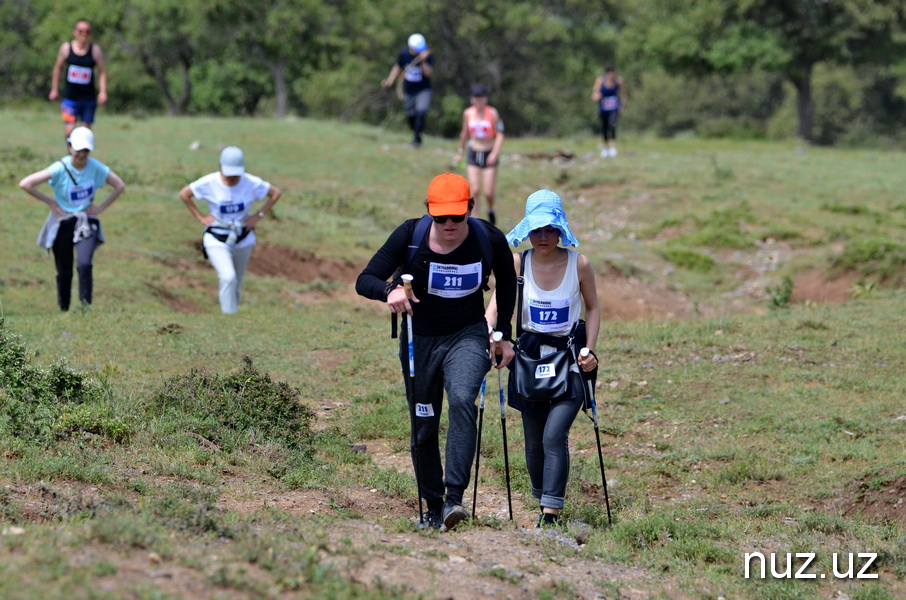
(407, 284)
(497, 337)
(594, 405)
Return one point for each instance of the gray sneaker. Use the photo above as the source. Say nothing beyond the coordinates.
(453, 514)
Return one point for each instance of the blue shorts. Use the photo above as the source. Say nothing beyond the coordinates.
(73, 110)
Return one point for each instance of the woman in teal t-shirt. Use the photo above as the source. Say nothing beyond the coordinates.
(72, 229)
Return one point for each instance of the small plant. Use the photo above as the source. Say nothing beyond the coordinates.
(863, 288)
(721, 173)
(689, 259)
(91, 419)
(781, 294)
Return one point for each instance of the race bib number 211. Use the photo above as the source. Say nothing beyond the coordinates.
(453, 281)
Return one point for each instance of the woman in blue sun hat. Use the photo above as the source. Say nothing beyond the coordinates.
(562, 281)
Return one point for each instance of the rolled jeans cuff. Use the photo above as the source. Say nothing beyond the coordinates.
(552, 501)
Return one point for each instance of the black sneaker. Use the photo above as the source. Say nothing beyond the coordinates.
(432, 519)
(453, 514)
(492, 218)
(546, 520)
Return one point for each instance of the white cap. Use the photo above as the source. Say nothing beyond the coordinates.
(232, 162)
(417, 42)
(81, 138)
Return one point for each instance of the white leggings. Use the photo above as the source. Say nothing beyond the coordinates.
(230, 265)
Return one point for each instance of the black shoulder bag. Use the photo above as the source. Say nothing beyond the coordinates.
(539, 379)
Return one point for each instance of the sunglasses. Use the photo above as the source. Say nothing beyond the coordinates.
(454, 218)
(83, 31)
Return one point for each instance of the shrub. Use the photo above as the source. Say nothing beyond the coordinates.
(689, 259)
(39, 405)
(723, 228)
(238, 409)
(880, 257)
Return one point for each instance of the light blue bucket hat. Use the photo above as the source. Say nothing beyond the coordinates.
(543, 208)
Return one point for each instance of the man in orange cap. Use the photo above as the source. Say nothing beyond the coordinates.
(445, 252)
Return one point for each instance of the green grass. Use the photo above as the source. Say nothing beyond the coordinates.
(127, 427)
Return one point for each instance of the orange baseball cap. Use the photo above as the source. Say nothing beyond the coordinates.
(448, 194)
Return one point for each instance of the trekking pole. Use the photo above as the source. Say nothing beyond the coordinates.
(484, 383)
(498, 337)
(594, 419)
(410, 393)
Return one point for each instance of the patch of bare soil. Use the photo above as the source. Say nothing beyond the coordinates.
(630, 299)
(165, 291)
(886, 502)
(272, 260)
(482, 562)
(816, 286)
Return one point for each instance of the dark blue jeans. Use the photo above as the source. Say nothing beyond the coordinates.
(547, 447)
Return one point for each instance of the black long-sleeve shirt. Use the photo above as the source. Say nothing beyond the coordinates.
(436, 314)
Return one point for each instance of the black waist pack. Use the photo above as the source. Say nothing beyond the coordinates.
(542, 379)
(222, 237)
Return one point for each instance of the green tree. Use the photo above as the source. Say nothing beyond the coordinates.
(290, 38)
(787, 36)
(18, 19)
(165, 37)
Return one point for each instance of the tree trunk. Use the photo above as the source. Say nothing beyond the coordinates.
(805, 109)
(278, 69)
(186, 86)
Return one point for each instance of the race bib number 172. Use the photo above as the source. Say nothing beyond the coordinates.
(548, 316)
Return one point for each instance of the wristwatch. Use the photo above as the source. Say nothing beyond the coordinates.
(260, 213)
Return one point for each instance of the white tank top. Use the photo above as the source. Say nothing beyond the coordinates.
(553, 312)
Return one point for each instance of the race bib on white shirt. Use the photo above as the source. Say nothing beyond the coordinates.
(78, 74)
(453, 281)
(81, 193)
(548, 316)
(231, 208)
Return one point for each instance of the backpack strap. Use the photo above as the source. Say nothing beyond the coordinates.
(68, 172)
(520, 281)
(419, 235)
(484, 240)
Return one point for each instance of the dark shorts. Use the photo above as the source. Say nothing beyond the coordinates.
(73, 110)
(479, 159)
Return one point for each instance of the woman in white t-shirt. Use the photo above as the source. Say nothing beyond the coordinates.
(72, 229)
(557, 283)
(229, 235)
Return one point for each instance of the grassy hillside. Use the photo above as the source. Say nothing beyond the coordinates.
(144, 457)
